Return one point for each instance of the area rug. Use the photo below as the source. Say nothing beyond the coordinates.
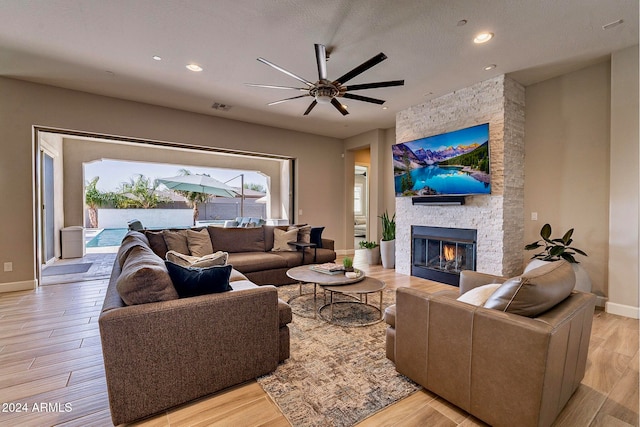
(57, 270)
(336, 375)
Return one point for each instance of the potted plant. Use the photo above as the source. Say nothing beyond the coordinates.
(557, 249)
(347, 263)
(388, 242)
(372, 252)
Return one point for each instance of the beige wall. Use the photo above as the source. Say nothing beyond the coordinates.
(22, 105)
(624, 185)
(567, 163)
(79, 151)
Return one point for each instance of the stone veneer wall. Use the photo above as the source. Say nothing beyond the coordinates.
(499, 218)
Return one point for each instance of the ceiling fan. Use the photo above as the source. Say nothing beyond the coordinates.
(326, 91)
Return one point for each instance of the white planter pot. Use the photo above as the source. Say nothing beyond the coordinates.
(373, 255)
(388, 253)
(583, 281)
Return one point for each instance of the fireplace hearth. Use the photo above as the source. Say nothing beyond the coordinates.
(441, 253)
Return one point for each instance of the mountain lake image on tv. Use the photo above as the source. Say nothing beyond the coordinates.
(453, 163)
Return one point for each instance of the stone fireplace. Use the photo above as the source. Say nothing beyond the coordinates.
(497, 219)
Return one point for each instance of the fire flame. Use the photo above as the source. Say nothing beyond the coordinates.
(449, 252)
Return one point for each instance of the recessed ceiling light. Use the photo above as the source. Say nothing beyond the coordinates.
(490, 67)
(461, 22)
(157, 58)
(483, 38)
(385, 108)
(194, 67)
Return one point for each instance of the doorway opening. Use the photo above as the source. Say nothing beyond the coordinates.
(73, 149)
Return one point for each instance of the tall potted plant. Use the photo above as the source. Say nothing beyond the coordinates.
(557, 249)
(388, 242)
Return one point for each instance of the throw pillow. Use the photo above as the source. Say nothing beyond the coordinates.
(144, 278)
(316, 236)
(535, 291)
(199, 242)
(156, 242)
(176, 241)
(304, 233)
(478, 296)
(191, 282)
(282, 238)
(218, 258)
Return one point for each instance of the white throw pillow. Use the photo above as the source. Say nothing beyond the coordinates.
(478, 296)
(217, 258)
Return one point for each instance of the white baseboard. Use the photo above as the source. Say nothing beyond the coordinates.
(345, 252)
(623, 310)
(27, 285)
(601, 301)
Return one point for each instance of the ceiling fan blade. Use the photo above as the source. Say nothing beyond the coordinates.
(313, 104)
(339, 106)
(287, 99)
(364, 98)
(303, 89)
(321, 59)
(375, 85)
(289, 73)
(362, 68)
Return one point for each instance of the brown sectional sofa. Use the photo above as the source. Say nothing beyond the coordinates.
(505, 369)
(165, 353)
(250, 252)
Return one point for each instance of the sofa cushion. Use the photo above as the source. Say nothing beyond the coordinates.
(536, 291)
(282, 238)
(479, 296)
(144, 278)
(293, 259)
(192, 281)
(218, 258)
(199, 242)
(248, 262)
(237, 239)
(176, 241)
(156, 242)
(129, 241)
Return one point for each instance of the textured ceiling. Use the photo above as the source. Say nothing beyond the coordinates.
(106, 47)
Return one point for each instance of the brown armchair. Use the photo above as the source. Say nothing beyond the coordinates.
(503, 368)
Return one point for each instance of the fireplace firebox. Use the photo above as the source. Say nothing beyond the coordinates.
(440, 253)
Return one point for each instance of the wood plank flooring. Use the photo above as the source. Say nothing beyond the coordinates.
(51, 371)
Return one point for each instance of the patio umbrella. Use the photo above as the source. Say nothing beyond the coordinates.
(198, 184)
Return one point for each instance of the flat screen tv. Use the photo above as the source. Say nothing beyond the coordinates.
(453, 163)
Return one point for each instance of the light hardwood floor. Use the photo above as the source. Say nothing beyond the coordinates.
(50, 355)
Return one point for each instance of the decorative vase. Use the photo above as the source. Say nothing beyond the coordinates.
(388, 253)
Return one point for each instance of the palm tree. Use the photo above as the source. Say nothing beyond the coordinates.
(95, 199)
(193, 197)
(140, 193)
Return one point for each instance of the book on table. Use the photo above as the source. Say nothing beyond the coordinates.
(328, 268)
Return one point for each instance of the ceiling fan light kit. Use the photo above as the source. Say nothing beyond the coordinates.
(325, 91)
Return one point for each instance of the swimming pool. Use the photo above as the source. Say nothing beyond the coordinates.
(108, 237)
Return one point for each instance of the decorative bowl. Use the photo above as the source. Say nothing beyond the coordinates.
(351, 274)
